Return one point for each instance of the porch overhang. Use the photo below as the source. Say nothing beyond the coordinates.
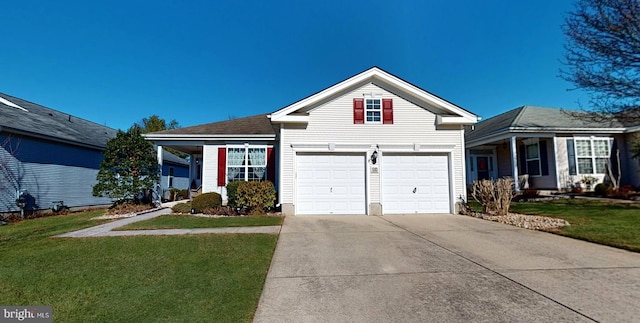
(192, 144)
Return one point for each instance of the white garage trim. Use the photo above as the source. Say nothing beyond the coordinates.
(330, 183)
(416, 183)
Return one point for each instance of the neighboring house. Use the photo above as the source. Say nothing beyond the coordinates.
(55, 157)
(550, 149)
(175, 173)
(51, 154)
(372, 144)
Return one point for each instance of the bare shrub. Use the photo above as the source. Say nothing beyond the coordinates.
(494, 195)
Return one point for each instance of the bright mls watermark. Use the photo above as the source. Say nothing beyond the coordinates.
(40, 314)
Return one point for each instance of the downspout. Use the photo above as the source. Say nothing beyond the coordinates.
(279, 165)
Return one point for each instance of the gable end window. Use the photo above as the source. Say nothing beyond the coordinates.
(372, 110)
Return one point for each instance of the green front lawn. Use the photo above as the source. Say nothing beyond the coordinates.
(132, 279)
(613, 224)
(174, 221)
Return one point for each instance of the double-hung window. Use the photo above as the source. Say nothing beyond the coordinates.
(592, 155)
(246, 163)
(373, 110)
(532, 152)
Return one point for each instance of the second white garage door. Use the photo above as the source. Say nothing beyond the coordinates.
(415, 184)
(330, 184)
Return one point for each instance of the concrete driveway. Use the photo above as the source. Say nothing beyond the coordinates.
(443, 268)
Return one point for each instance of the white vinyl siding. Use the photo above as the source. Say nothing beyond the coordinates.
(332, 122)
(210, 170)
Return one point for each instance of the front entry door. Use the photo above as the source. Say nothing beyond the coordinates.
(483, 167)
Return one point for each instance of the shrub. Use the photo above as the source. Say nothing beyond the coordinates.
(494, 195)
(530, 193)
(623, 191)
(184, 193)
(175, 194)
(232, 188)
(603, 189)
(205, 201)
(257, 196)
(182, 208)
(126, 207)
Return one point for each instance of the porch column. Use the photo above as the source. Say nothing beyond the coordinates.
(514, 164)
(160, 159)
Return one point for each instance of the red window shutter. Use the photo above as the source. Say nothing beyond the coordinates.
(222, 166)
(387, 111)
(358, 110)
(271, 165)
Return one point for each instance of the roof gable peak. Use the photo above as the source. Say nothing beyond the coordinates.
(373, 75)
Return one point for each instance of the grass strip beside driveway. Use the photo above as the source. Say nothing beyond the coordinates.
(206, 277)
(175, 221)
(608, 223)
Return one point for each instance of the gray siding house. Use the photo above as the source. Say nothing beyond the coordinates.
(52, 155)
(551, 149)
(55, 157)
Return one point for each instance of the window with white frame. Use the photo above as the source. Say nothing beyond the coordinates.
(592, 155)
(246, 164)
(532, 152)
(373, 110)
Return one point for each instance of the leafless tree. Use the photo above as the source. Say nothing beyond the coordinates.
(603, 56)
(11, 172)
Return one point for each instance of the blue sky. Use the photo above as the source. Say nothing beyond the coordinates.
(115, 62)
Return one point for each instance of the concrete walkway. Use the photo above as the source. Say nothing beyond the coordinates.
(443, 268)
(106, 230)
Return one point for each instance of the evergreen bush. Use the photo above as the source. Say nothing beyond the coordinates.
(206, 201)
(257, 196)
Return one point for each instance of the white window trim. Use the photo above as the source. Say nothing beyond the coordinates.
(379, 111)
(593, 156)
(527, 159)
(246, 165)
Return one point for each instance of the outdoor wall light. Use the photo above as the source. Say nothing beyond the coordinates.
(374, 157)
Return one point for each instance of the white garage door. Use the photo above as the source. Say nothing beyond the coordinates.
(330, 184)
(415, 184)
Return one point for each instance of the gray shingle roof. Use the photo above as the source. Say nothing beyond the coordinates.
(51, 124)
(253, 125)
(531, 117)
(171, 158)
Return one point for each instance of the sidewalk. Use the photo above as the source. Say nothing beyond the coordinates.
(106, 230)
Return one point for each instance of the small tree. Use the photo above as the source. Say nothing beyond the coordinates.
(129, 166)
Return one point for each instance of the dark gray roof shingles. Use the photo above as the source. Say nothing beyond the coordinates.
(253, 125)
(52, 124)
